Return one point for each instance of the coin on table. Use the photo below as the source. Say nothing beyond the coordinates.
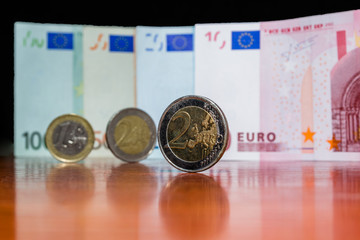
(69, 138)
(131, 135)
(193, 133)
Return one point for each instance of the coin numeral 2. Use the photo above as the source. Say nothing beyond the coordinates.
(33, 140)
(123, 138)
(186, 117)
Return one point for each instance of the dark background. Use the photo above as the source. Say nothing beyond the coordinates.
(133, 13)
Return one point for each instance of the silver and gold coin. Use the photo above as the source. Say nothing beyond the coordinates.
(193, 133)
(69, 138)
(131, 135)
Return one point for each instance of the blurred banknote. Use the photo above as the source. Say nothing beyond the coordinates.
(48, 77)
(290, 89)
(164, 68)
(109, 77)
(61, 69)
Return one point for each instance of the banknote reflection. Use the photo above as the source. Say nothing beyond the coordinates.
(194, 206)
(346, 201)
(131, 186)
(70, 184)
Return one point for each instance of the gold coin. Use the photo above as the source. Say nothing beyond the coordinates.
(69, 138)
(131, 135)
(193, 133)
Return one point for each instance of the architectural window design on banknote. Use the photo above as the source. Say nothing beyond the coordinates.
(345, 100)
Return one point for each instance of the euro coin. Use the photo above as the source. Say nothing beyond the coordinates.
(131, 135)
(193, 133)
(69, 138)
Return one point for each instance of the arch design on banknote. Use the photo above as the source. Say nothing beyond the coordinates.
(345, 101)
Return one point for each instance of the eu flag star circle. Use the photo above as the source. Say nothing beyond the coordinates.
(60, 40)
(245, 40)
(179, 42)
(121, 43)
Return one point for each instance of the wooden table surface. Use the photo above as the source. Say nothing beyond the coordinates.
(108, 199)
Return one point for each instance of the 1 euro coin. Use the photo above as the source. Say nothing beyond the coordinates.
(69, 138)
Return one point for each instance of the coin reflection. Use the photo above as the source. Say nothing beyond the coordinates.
(194, 206)
(131, 185)
(70, 184)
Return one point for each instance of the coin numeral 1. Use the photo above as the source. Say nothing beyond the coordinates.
(60, 139)
(33, 140)
(186, 117)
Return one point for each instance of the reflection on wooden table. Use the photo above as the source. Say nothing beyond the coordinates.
(110, 199)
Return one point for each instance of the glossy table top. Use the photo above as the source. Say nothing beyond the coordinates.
(109, 199)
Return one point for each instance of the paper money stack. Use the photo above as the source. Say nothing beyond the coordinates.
(290, 89)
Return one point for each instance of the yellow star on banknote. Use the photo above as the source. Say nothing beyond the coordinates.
(308, 135)
(334, 143)
(79, 89)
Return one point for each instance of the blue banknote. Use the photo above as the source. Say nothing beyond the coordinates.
(164, 68)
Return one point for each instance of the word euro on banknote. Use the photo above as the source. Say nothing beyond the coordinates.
(164, 68)
(290, 89)
(48, 77)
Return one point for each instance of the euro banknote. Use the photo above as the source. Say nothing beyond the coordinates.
(164, 68)
(108, 77)
(289, 88)
(48, 79)
(59, 69)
